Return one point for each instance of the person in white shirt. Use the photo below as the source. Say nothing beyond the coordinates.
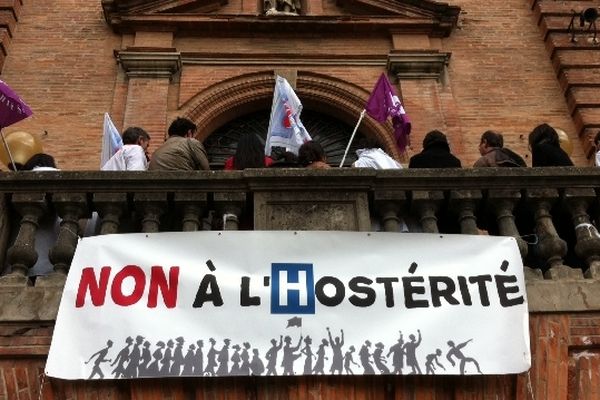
(132, 156)
(370, 155)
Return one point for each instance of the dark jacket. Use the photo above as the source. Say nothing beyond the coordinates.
(548, 155)
(435, 155)
(500, 157)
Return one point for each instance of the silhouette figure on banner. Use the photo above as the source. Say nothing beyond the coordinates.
(364, 355)
(121, 359)
(223, 359)
(319, 368)
(397, 353)
(410, 349)
(256, 365)
(271, 356)
(307, 351)
(290, 355)
(145, 360)
(379, 359)
(245, 357)
(131, 370)
(430, 359)
(188, 360)
(235, 360)
(348, 360)
(337, 360)
(165, 368)
(100, 358)
(455, 351)
(211, 358)
(153, 368)
(177, 358)
(198, 369)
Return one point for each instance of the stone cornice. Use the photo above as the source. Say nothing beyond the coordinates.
(417, 64)
(280, 59)
(149, 64)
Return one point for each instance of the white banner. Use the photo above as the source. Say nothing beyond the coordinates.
(291, 303)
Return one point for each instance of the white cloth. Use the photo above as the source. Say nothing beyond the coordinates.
(130, 157)
(375, 158)
(598, 159)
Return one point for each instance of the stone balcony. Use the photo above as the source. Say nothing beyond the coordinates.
(551, 211)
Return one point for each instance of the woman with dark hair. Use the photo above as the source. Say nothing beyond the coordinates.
(250, 153)
(40, 162)
(545, 148)
(311, 155)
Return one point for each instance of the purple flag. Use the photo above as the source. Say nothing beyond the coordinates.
(12, 108)
(384, 103)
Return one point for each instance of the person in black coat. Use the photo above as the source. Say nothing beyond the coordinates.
(545, 148)
(435, 154)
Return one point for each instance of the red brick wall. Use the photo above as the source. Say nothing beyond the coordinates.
(500, 77)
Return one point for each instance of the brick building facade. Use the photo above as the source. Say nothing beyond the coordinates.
(463, 67)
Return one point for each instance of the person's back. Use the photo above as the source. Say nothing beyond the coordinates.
(180, 152)
(435, 154)
(132, 156)
(370, 155)
(545, 148)
(250, 153)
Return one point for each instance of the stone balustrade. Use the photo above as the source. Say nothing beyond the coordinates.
(552, 213)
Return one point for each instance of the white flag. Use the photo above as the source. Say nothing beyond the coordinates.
(111, 140)
(285, 128)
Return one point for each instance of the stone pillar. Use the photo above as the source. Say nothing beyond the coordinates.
(588, 240)
(70, 208)
(231, 206)
(550, 246)
(22, 254)
(151, 206)
(192, 205)
(427, 204)
(388, 205)
(464, 203)
(110, 207)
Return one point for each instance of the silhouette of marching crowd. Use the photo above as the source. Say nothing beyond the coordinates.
(136, 360)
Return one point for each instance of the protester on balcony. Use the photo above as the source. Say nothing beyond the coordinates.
(370, 155)
(250, 153)
(545, 148)
(181, 151)
(597, 144)
(284, 159)
(132, 156)
(435, 153)
(311, 155)
(494, 154)
(40, 162)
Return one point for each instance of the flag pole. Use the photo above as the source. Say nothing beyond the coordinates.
(362, 114)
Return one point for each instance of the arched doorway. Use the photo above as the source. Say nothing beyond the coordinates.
(328, 131)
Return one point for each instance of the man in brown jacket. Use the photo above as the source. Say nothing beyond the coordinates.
(180, 152)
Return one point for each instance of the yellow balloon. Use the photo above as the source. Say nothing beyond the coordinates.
(565, 141)
(23, 145)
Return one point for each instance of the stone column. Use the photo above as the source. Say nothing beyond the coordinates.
(231, 206)
(110, 207)
(464, 203)
(192, 205)
(388, 205)
(587, 247)
(70, 208)
(427, 204)
(502, 203)
(151, 206)
(550, 246)
(22, 254)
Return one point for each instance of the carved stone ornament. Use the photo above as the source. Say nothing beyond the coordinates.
(282, 7)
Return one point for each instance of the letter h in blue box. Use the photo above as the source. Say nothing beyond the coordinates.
(292, 288)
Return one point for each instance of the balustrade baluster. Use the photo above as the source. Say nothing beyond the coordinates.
(110, 207)
(70, 208)
(427, 204)
(388, 205)
(192, 206)
(587, 247)
(22, 255)
(151, 206)
(231, 206)
(550, 246)
(464, 203)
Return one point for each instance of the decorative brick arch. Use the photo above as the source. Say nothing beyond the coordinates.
(247, 93)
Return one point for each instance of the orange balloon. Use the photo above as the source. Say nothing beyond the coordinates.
(23, 145)
(565, 141)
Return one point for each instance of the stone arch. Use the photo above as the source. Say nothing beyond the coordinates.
(228, 99)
